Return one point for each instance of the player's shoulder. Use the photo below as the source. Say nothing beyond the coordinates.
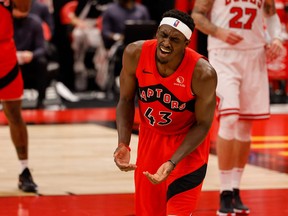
(204, 70)
(134, 48)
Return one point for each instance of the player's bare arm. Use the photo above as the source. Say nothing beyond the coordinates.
(199, 14)
(204, 87)
(269, 7)
(126, 106)
(128, 84)
(275, 48)
(200, 10)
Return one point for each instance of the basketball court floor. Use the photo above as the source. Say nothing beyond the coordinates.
(71, 159)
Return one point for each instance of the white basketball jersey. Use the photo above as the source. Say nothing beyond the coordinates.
(245, 17)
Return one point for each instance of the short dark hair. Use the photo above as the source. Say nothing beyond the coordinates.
(182, 16)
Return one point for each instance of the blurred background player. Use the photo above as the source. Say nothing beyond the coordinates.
(11, 90)
(238, 50)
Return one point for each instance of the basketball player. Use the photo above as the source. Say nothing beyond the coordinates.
(176, 90)
(238, 50)
(11, 90)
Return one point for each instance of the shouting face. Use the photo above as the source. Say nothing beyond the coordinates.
(171, 44)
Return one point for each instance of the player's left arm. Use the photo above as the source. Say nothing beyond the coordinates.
(275, 48)
(200, 15)
(204, 87)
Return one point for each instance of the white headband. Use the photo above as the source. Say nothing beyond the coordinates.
(177, 24)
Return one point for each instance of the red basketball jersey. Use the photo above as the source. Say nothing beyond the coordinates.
(7, 46)
(166, 104)
(6, 23)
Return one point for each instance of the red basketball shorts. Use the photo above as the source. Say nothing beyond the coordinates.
(179, 194)
(11, 83)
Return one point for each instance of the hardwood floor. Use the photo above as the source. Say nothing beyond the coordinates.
(71, 161)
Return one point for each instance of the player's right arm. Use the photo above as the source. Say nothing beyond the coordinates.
(126, 106)
(199, 14)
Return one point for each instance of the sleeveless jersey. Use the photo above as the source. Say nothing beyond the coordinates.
(6, 23)
(7, 45)
(244, 17)
(166, 104)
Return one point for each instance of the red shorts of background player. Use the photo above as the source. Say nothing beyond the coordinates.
(11, 83)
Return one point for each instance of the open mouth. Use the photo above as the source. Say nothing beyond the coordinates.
(165, 50)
